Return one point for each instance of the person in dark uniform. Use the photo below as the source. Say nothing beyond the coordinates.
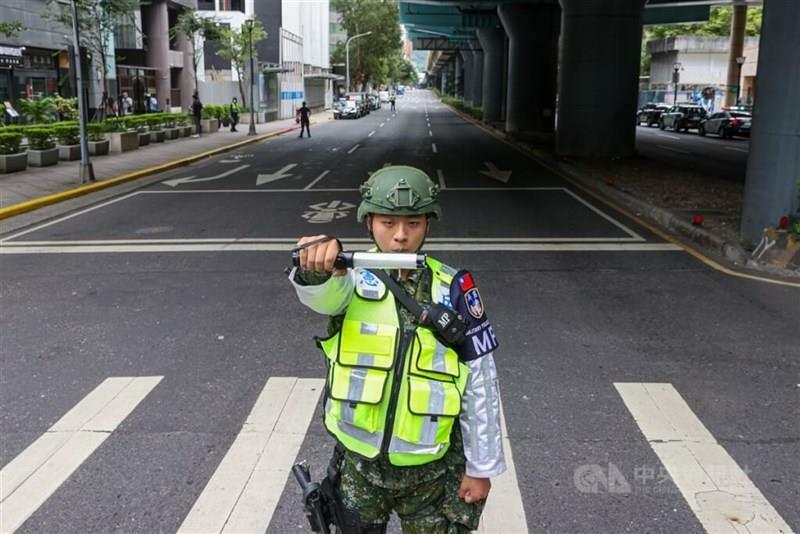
(197, 112)
(304, 122)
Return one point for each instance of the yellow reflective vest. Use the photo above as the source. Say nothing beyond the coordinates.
(392, 390)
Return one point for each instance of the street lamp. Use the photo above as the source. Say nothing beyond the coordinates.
(676, 77)
(252, 130)
(739, 62)
(347, 58)
(86, 171)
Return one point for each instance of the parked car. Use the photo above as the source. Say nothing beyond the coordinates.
(338, 106)
(651, 113)
(350, 110)
(374, 101)
(726, 124)
(682, 117)
(384, 96)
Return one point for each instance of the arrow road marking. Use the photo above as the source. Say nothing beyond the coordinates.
(495, 173)
(267, 178)
(192, 179)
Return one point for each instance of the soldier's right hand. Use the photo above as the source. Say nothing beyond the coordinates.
(319, 258)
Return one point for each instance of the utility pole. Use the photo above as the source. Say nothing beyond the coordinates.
(252, 130)
(347, 57)
(86, 170)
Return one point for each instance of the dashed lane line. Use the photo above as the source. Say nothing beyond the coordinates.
(317, 179)
(440, 175)
(433, 147)
(353, 149)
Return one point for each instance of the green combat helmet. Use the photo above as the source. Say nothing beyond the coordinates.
(399, 190)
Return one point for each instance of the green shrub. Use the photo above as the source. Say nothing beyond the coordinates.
(154, 121)
(9, 142)
(66, 108)
(115, 124)
(38, 110)
(67, 133)
(96, 131)
(41, 137)
(13, 129)
(136, 122)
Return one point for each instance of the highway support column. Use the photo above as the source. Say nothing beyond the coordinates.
(466, 60)
(477, 74)
(773, 166)
(492, 42)
(598, 77)
(532, 31)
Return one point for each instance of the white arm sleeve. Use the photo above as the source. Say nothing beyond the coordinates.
(329, 298)
(480, 420)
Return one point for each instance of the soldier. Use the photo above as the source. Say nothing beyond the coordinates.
(414, 409)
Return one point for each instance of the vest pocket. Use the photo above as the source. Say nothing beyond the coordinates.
(432, 359)
(356, 394)
(367, 344)
(428, 411)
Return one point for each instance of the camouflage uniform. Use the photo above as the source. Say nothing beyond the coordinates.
(425, 497)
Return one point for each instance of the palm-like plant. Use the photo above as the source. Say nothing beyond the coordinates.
(38, 110)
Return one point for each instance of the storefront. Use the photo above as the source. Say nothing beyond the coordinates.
(32, 73)
(137, 82)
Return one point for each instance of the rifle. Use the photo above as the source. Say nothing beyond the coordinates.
(316, 505)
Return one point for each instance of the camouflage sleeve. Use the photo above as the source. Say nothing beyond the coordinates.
(328, 296)
(480, 420)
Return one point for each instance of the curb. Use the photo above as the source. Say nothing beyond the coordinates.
(47, 200)
(624, 202)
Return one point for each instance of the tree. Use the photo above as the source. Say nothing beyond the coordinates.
(370, 56)
(717, 25)
(235, 46)
(97, 20)
(10, 28)
(193, 27)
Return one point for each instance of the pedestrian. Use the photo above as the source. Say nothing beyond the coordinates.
(304, 112)
(402, 398)
(153, 103)
(125, 104)
(234, 114)
(197, 111)
(391, 101)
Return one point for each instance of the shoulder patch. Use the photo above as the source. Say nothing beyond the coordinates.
(466, 300)
(368, 286)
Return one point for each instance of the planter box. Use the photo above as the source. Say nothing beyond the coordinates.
(172, 133)
(42, 158)
(157, 136)
(98, 148)
(13, 162)
(69, 152)
(123, 141)
(144, 139)
(244, 118)
(209, 125)
(187, 131)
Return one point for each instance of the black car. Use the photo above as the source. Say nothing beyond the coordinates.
(682, 117)
(651, 113)
(726, 124)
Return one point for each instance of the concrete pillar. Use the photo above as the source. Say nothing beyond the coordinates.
(186, 76)
(773, 166)
(443, 79)
(466, 60)
(532, 31)
(458, 80)
(157, 31)
(738, 28)
(477, 74)
(492, 42)
(598, 77)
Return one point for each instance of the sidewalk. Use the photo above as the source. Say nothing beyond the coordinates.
(38, 182)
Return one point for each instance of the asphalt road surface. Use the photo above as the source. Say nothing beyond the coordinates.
(159, 374)
(712, 155)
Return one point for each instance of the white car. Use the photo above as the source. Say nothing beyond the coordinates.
(384, 95)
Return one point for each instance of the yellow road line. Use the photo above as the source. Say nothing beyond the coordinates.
(37, 203)
(692, 251)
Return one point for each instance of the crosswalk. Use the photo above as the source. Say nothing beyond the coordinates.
(242, 494)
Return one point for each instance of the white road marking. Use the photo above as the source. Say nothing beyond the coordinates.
(353, 149)
(242, 494)
(662, 147)
(430, 133)
(737, 149)
(280, 174)
(317, 179)
(371, 133)
(442, 183)
(496, 174)
(668, 136)
(36, 473)
(192, 179)
(605, 216)
(381, 126)
(721, 495)
(433, 146)
(144, 246)
(504, 511)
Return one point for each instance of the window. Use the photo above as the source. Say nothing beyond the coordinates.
(206, 5)
(231, 5)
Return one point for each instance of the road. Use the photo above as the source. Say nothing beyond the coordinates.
(158, 373)
(723, 158)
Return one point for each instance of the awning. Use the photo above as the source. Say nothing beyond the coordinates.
(11, 56)
(274, 67)
(324, 76)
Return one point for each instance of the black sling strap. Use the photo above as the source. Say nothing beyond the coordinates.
(400, 294)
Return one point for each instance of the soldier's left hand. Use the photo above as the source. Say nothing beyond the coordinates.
(474, 489)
